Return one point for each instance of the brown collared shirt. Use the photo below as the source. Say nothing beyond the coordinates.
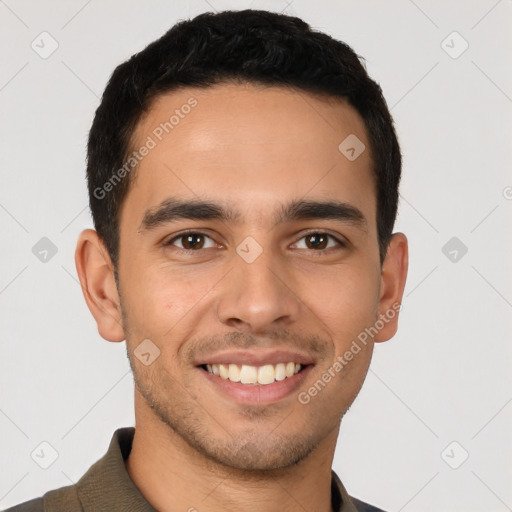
(107, 487)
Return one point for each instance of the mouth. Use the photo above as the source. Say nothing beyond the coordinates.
(254, 375)
(260, 383)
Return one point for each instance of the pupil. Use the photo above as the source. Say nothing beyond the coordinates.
(321, 242)
(192, 241)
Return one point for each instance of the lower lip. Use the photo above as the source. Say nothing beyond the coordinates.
(258, 393)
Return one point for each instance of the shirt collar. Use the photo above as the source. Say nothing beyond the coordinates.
(108, 486)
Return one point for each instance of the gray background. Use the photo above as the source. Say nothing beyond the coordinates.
(440, 390)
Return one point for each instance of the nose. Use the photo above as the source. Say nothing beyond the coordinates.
(259, 296)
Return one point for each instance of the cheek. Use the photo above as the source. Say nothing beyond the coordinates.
(160, 297)
(346, 301)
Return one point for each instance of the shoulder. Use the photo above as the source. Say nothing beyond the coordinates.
(341, 498)
(64, 499)
(35, 505)
(361, 506)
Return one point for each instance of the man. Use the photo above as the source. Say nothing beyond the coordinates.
(243, 173)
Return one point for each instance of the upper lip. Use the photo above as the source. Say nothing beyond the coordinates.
(259, 357)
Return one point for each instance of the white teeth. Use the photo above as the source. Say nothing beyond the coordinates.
(248, 374)
(266, 374)
(280, 371)
(224, 371)
(234, 373)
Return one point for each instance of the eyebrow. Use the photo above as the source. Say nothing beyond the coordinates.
(173, 209)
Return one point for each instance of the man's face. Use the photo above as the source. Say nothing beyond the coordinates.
(268, 285)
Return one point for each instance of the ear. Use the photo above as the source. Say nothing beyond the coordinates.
(96, 274)
(393, 278)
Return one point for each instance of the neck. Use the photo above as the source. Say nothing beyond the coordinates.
(171, 475)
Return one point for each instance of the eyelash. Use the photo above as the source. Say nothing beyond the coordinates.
(169, 243)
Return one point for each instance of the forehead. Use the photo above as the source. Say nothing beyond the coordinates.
(248, 145)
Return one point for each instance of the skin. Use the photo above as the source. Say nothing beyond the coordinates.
(253, 148)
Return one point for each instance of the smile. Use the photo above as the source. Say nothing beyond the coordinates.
(246, 374)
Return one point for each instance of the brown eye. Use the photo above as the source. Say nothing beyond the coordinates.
(191, 241)
(317, 241)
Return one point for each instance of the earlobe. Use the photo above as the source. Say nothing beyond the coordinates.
(95, 271)
(393, 278)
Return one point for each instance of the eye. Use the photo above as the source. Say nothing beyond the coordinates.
(191, 241)
(319, 241)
